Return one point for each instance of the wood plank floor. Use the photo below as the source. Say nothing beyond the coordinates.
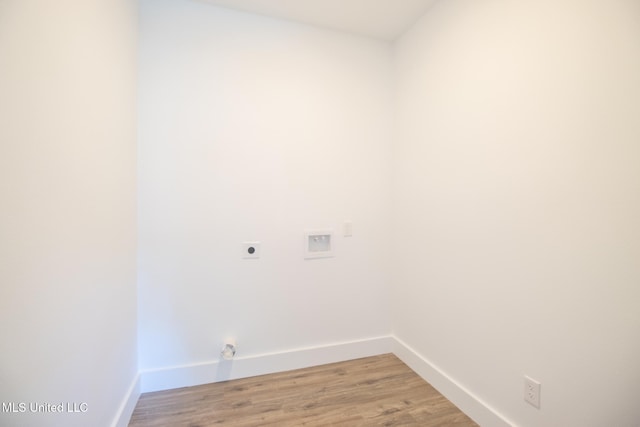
(374, 391)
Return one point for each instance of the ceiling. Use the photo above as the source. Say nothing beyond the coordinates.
(380, 19)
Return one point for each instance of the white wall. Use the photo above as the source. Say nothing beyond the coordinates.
(67, 215)
(514, 211)
(257, 129)
(517, 198)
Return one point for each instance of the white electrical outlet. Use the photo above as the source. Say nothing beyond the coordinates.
(532, 391)
(251, 250)
(348, 229)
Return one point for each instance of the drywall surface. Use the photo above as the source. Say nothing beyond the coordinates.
(67, 216)
(255, 129)
(517, 177)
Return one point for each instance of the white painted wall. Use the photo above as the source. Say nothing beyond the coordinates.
(256, 129)
(517, 198)
(67, 215)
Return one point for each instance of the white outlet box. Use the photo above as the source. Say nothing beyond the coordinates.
(318, 244)
(532, 391)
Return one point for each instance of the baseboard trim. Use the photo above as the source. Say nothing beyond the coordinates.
(468, 403)
(250, 366)
(243, 367)
(128, 404)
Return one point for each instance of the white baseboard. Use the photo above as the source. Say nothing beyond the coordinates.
(128, 404)
(468, 403)
(243, 367)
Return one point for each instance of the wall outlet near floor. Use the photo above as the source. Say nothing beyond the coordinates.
(532, 391)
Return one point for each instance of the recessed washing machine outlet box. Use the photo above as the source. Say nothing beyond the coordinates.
(318, 244)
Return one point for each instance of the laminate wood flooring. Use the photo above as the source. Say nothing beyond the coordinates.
(374, 391)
